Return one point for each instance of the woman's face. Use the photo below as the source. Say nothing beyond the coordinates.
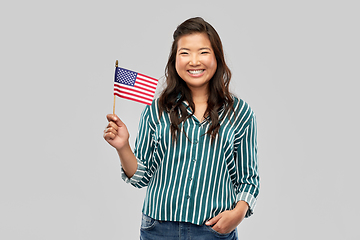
(195, 60)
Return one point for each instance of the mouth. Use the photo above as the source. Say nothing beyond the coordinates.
(196, 72)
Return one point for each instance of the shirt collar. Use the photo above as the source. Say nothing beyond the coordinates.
(190, 111)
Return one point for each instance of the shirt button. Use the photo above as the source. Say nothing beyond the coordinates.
(196, 141)
(188, 197)
(190, 178)
(194, 160)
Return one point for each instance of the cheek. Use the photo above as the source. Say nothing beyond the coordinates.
(212, 64)
(179, 65)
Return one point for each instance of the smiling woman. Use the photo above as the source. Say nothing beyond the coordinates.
(195, 133)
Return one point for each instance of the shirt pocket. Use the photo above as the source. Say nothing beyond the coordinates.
(155, 155)
(159, 144)
(156, 142)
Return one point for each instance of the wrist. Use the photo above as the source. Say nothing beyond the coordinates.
(124, 147)
(241, 207)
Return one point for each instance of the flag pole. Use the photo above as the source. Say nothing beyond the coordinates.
(116, 65)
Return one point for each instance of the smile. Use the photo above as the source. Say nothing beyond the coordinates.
(196, 72)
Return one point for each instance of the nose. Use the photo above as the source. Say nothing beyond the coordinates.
(194, 61)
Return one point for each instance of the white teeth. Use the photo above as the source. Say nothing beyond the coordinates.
(195, 71)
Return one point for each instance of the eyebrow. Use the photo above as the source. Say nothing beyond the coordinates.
(187, 49)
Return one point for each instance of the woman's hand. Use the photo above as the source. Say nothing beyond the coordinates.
(116, 133)
(227, 221)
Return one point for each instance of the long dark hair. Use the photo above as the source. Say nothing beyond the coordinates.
(177, 91)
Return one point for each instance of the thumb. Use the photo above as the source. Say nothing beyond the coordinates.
(213, 220)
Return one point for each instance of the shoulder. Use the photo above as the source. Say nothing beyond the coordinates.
(153, 114)
(242, 112)
(154, 107)
(150, 114)
(241, 107)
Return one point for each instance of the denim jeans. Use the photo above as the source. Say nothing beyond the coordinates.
(152, 229)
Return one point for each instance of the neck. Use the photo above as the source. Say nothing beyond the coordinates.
(200, 98)
(199, 95)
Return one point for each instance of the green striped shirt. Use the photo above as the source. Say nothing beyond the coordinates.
(194, 180)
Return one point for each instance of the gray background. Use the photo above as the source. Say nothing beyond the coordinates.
(295, 62)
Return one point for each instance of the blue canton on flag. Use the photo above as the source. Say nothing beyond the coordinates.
(125, 76)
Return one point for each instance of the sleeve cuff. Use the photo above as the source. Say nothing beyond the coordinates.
(138, 175)
(249, 199)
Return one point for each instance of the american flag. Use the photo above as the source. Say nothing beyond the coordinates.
(134, 86)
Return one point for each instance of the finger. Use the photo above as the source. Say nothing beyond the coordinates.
(108, 136)
(112, 125)
(114, 118)
(213, 220)
(111, 130)
(217, 229)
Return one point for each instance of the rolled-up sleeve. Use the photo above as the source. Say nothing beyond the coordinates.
(247, 166)
(143, 151)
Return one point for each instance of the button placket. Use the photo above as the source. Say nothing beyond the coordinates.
(195, 145)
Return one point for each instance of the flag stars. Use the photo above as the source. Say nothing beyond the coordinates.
(126, 77)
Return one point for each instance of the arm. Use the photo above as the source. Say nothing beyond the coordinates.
(247, 166)
(247, 188)
(117, 135)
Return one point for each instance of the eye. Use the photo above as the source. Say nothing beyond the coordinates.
(183, 53)
(205, 52)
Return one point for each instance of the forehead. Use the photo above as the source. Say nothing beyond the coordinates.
(194, 41)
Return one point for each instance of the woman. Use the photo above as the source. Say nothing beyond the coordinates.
(196, 149)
